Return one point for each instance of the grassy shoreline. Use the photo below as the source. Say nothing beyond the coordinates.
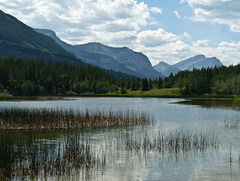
(154, 93)
(8, 97)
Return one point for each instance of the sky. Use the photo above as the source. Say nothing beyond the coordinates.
(164, 30)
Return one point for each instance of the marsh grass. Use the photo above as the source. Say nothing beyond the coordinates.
(4, 97)
(168, 142)
(72, 158)
(233, 158)
(80, 157)
(39, 119)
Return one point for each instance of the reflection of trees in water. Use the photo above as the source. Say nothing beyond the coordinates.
(213, 103)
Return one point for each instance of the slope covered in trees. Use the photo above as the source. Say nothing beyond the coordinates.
(19, 40)
(23, 77)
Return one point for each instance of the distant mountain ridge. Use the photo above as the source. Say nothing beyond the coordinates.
(20, 40)
(165, 68)
(198, 62)
(120, 59)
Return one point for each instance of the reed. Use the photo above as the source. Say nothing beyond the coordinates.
(171, 142)
(75, 156)
(230, 155)
(39, 119)
(72, 157)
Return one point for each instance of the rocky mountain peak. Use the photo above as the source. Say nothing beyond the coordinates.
(198, 62)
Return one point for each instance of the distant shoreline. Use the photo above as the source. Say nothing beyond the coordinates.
(59, 98)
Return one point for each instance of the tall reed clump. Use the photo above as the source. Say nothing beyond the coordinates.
(33, 118)
(171, 142)
(73, 158)
(79, 157)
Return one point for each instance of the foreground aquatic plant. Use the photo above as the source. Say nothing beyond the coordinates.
(23, 118)
(78, 156)
(72, 157)
(168, 142)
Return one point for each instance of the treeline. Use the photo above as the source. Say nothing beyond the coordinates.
(27, 78)
(22, 77)
(33, 78)
(218, 80)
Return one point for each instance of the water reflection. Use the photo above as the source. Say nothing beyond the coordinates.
(128, 153)
(213, 103)
(30, 156)
(79, 155)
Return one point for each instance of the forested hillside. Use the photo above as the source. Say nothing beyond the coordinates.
(19, 40)
(23, 77)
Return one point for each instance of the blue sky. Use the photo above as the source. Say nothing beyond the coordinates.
(164, 30)
(198, 30)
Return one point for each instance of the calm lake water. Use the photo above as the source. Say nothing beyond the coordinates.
(207, 116)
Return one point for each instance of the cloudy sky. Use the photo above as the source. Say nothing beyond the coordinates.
(164, 30)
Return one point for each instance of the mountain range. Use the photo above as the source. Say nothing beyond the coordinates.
(198, 62)
(120, 59)
(20, 40)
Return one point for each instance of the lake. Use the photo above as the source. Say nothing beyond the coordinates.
(218, 118)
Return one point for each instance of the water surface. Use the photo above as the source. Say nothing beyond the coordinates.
(208, 116)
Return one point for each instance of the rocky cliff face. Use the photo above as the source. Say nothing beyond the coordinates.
(166, 69)
(120, 59)
(198, 62)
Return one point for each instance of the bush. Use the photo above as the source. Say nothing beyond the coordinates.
(102, 87)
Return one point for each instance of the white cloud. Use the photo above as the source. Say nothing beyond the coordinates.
(156, 10)
(177, 51)
(151, 38)
(186, 36)
(98, 19)
(230, 45)
(227, 52)
(174, 49)
(201, 43)
(121, 22)
(177, 14)
(217, 11)
(171, 52)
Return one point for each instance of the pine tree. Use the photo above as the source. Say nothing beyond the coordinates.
(145, 84)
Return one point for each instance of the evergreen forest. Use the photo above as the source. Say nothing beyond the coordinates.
(21, 77)
(218, 80)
